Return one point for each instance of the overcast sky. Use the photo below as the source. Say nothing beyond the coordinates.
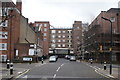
(63, 13)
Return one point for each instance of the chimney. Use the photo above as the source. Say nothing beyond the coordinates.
(19, 5)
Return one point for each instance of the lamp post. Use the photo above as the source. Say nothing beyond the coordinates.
(110, 43)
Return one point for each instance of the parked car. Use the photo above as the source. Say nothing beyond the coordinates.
(72, 58)
(52, 59)
(67, 57)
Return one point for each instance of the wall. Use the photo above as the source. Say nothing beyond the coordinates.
(27, 35)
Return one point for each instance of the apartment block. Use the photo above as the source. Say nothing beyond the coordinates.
(77, 37)
(19, 39)
(97, 39)
(44, 27)
(60, 41)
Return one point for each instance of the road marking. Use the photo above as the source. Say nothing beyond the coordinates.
(101, 74)
(54, 76)
(62, 65)
(58, 69)
(96, 70)
(23, 73)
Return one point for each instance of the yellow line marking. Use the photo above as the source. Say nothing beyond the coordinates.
(22, 73)
(101, 74)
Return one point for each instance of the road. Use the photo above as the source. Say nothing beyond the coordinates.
(60, 70)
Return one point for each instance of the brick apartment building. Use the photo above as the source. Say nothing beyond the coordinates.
(18, 38)
(44, 27)
(77, 37)
(60, 41)
(97, 39)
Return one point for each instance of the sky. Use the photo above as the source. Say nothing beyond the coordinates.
(63, 13)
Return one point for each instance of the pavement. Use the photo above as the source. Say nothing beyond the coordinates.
(99, 68)
(5, 73)
(17, 70)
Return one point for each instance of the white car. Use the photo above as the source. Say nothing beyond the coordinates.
(72, 58)
(52, 59)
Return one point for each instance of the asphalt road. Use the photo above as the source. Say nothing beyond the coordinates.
(62, 70)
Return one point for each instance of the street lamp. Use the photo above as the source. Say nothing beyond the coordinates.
(111, 44)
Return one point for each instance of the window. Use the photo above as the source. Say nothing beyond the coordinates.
(59, 40)
(63, 36)
(3, 46)
(45, 39)
(45, 34)
(45, 29)
(53, 31)
(3, 35)
(63, 40)
(53, 45)
(37, 25)
(59, 45)
(53, 36)
(4, 24)
(53, 41)
(59, 36)
(45, 25)
(63, 31)
(63, 45)
(59, 31)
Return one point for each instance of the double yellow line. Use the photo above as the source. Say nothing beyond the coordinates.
(23, 73)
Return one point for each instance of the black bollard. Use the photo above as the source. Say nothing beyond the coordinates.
(104, 65)
(11, 68)
(8, 64)
(42, 61)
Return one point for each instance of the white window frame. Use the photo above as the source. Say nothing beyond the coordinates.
(59, 45)
(63, 45)
(63, 36)
(5, 35)
(53, 31)
(1, 46)
(53, 36)
(45, 34)
(63, 40)
(45, 29)
(59, 40)
(53, 45)
(45, 25)
(53, 40)
(63, 31)
(59, 36)
(59, 31)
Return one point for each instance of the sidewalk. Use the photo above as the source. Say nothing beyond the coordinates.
(100, 69)
(18, 69)
(5, 73)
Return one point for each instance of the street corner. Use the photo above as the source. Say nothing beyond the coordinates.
(104, 73)
(20, 73)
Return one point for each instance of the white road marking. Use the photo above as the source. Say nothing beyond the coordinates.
(54, 76)
(58, 69)
(62, 65)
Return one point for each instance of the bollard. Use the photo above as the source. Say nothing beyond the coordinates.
(11, 68)
(104, 65)
(30, 61)
(42, 61)
(91, 62)
(8, 64)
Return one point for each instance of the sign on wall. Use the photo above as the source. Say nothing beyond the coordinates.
(31, 52)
